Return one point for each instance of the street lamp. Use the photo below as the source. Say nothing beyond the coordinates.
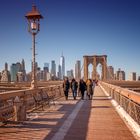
(33, 18)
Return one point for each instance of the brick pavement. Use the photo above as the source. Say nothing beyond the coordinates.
(95, 120)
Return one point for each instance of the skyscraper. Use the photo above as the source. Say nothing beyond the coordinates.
(110, 73)
(5, 74)
(46, 70)
(62, 64)
(15, 68)
(70, 74)
(132, 76)
(59, 72)
(46, 67)
(23, 70)
(78, 70)
(120, 74)
(53, 68)
(13, 71)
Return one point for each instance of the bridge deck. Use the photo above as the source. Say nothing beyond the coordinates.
(72, 120)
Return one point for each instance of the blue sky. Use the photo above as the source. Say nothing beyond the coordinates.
(76, 27)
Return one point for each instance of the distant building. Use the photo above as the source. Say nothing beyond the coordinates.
(62, 65)
(16, 70)
(59, 75)
(53, 69)
(23, 70)
(110, 73)
(29, 76)
(132, 76)
(70, 74)
(138, 78)
(46, 70)
(78, 70)
(20, 77)
(48, 76)
(120, 75)
(40, 74)
(46, 67)
(5, 74)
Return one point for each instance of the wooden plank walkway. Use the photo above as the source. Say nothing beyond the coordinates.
(72, 120)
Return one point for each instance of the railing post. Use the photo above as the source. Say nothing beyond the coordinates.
(20, 110)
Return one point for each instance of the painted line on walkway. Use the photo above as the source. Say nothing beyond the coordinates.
(68, 122)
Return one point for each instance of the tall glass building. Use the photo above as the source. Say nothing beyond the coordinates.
(62, 65)
(53, 68)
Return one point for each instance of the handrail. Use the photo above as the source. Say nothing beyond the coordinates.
(132, 95)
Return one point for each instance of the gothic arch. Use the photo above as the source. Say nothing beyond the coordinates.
(95, 60)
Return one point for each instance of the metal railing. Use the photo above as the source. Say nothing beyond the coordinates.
(127, 99)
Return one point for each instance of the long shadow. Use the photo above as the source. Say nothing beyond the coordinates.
(76, 127)
(66, 109)
(100, 96)
(79, 127)
(101, 107)
(101, 99)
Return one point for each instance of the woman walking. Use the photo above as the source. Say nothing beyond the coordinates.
(89, 88)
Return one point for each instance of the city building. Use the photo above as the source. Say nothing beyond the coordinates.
(5, 74)
(53, 70)
(13, 71)
(120, 75)
(70, 74)
(46, 70)
(110, 73)
(62, 64)
(20, 77)
(132, 76)
(17, 71)
(78, 70)
(59, 73)
(46, 67)
(23, 70)
(138, 78)
(48, 76)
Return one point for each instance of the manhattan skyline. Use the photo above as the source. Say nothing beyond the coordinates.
(74, 27)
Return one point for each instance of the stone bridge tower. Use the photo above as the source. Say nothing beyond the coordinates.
(95, 60)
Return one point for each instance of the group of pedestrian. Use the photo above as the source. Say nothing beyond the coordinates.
(82, 87)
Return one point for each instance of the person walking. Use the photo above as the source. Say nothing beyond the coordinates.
(74, 86)
(82, 88)
(89, 89)
(66, 86)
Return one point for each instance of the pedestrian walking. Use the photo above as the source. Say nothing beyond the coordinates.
(89, 89)
(74, 86)
(82, 88)
(66, 86)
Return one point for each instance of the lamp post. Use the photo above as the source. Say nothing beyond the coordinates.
(33, 18)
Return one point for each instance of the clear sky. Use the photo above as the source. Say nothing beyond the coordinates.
(76, 27)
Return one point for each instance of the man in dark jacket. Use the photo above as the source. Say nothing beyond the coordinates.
(66, 86)
(82, 88)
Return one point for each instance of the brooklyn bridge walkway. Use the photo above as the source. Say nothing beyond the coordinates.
(72, 120)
